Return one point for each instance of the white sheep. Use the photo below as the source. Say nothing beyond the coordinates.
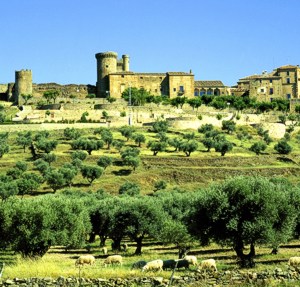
(104, 250)
(208, 264)
(294, 261)
(85, 259)
(191, 259)
(113, 259)
(155, 265)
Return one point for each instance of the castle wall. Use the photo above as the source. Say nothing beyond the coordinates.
(181, 85)
(266, 89)
(154, 83)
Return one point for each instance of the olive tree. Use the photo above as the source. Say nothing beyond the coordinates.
(240, 212)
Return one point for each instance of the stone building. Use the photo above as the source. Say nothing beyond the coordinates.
(114, 76)
(216, 88)
(283, 83)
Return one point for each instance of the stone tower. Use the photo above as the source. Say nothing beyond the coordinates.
(106, 64)
(23, 85)
(125, 63)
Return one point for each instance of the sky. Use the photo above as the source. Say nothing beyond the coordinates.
(217, 39)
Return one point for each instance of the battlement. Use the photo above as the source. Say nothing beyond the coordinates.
(108, 54)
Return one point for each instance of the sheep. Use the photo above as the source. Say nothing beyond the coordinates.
(85, 259)
(113, 259)
(138, 265)
(182, 263)
(169, 264)
(294, 261)
(208, 264)
(104, 250)
(191, 259)
(155, 265)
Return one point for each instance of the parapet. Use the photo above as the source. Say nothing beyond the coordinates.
(108, 54)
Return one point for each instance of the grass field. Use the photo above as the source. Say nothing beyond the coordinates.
(59, 262)
(179, 171)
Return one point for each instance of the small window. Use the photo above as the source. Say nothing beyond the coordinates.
(288, 80)
(262, 90)
(202, 93)
(288, 73)
(181, 89)
(271, 81)
(106, 66)
(141, 78)
(271, 91)
(271, 99)
(174, 89)
(122, 76)
(288, 96)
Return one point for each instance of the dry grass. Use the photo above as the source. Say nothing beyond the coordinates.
(58, 262)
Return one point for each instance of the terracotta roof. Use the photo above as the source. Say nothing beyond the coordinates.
(239, 90)
(266, 76)
(209, 84)
(138, 74)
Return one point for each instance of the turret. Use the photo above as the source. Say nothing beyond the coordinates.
(125, 63)
(23, 85)
(106, 64)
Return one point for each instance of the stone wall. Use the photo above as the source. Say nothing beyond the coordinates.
(193, 278)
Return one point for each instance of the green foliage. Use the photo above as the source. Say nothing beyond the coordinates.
(223, 146)
(87, 145)
(160, 126)
(8, 187)
(51, 96)
(46, 145)
(91, 172)
(71, 133)
(28, 183)
(68, 172)
(205, 128)
(156, 147)
(258, 147)
(189, 136)
(4, 148)
(282, 119)
(219, 116)
(160, 185)
(123, 114)
(243, 211)
(175, 142)
(178, 102)
(24, 139)
(188, 147)
(139, 138)
(111, 99)
(55, 179)
(135, 96)
(79, 154)
(49, 158)
(91, 96)
(83, 117)
(228, 126)
(118, 144)
(26, 98)
(195, 103)
(130, 188)
(127, 131)
(105, 161)
(282, 147)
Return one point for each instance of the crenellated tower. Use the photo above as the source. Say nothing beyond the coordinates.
(106, 64)
(23, 85)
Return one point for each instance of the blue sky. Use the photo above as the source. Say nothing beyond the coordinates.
(218, 39)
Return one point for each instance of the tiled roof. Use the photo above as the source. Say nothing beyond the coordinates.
(179, 74)
(288, 67)
(209, 84)
(138, 74)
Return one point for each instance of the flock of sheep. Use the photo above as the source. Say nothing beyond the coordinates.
(159, 265)
(154, 265)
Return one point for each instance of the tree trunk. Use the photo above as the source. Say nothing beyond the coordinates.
(138, 250)
(102, 240)
(92, 237)
(116, 244)
(245, 260)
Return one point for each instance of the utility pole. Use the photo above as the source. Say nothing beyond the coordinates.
(129, 106)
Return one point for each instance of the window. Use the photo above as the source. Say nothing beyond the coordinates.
(196, 93)
(141, 78)
(262, 90)
(271, 91)
(122, 76)
(288, 73)
(271, 81)
(174, 89)
(202, 93)
(288, 96)
(181, 89)
(288, 80)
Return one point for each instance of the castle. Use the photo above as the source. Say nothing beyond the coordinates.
(114, 76)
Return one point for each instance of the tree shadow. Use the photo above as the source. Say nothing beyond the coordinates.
(122, 172)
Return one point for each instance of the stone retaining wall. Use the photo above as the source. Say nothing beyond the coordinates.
(195, 278)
